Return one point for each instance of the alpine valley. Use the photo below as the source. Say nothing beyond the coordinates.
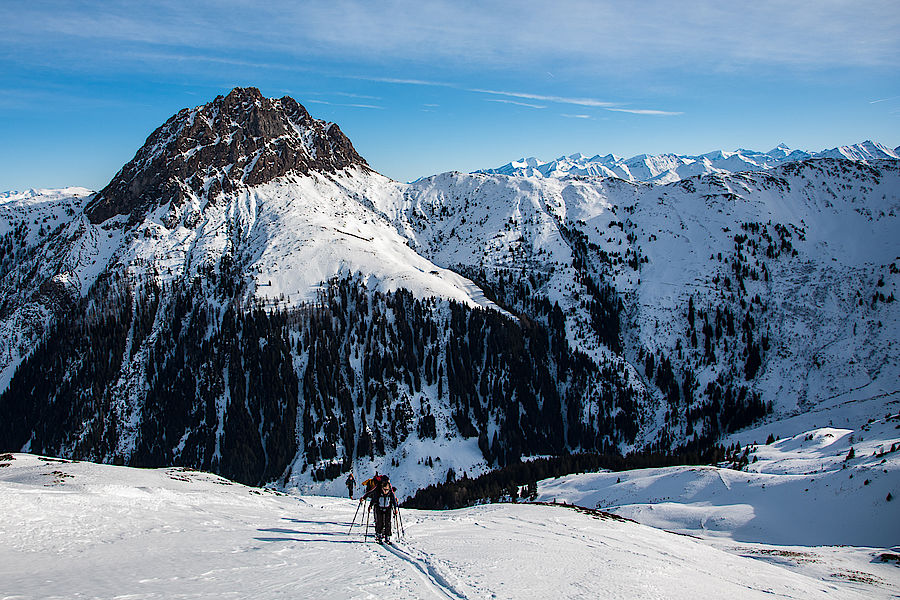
(248, 297)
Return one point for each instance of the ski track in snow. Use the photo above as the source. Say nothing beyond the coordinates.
(429, 574)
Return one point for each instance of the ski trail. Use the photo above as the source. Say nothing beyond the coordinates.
(725, 483)
(428, 573)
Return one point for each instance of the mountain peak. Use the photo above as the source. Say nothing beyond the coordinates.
(242, 138)
(669, 167)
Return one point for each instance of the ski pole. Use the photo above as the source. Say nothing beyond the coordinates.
(400, 518)
(354, 516)
(366, 535)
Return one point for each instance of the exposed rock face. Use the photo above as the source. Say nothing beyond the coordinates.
(238, 139)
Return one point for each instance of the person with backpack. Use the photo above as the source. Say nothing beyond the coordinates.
(384, 505)
(371, 484)
(351, 483)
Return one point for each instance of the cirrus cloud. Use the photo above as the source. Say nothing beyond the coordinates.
(644, 111)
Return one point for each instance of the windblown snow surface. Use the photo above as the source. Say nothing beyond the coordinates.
(81, 530)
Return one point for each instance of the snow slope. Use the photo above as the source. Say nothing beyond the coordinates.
(286, 238)
(85, 530)
(799, 490)
(292, 234)
(791, 236)
(30, 224)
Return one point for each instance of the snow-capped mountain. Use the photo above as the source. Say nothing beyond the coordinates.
(247, 296)
(667, 168)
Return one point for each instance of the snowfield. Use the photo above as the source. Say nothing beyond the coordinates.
(82, 530)
(799, 490)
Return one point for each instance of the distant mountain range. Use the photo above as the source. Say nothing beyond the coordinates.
(667, 168)
(248, 296)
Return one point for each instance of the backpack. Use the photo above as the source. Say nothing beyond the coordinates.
(374, 483)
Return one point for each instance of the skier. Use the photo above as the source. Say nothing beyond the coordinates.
(384, 504)
(351, 482)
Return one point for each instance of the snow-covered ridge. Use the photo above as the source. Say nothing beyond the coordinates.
(666, 168)
(42, 194)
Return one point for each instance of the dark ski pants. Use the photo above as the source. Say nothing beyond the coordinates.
(383, 522)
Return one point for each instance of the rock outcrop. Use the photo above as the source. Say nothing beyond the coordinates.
(239, 139)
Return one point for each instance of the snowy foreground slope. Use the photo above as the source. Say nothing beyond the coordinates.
(86, 530)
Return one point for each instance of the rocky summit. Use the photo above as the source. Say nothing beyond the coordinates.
(242, 139)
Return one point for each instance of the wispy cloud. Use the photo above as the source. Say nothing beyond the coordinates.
(592, 102)
(186, 57)
(516, 103)
(401, 81)
(644, 111)
(884, 100)
(509, 94)
(568, 116)
(360, 96)
(540, 97)
(344, 104)
(463, 32)
(59, 97)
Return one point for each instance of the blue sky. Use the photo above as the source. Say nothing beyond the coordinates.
(426, 87)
